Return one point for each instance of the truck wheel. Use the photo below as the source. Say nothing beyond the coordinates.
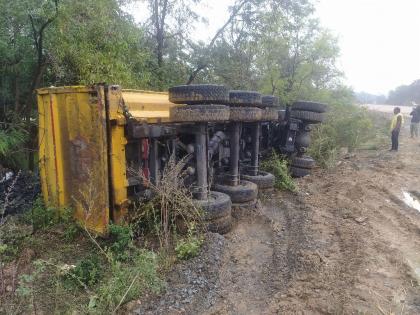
(199, 113)
(263, 180)
(310, 106)
(244, 98)
(217, 205)
(221, 225)
(199, 94)
(269, 114)
(303, 162)
(299, 172)
(247, 114)
(244, 192)
(270, 101)
(306, 116)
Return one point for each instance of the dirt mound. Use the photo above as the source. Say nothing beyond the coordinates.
(18, 191)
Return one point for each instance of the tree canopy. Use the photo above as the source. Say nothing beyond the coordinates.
(273, 46)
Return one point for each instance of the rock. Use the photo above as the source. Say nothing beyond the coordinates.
(360, 220)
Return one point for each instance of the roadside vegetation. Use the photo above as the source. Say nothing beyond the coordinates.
(50, 264)
(278, 166)
(347, 127)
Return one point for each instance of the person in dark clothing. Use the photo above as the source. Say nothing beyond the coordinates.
(396, 124)
(415, 122)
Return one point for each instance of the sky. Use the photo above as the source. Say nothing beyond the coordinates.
(379, 39)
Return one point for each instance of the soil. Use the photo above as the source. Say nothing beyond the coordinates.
(346, 243)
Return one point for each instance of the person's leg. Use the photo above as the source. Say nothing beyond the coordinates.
(416, 130)
(412, 126)
(397, 134)
(392, 141)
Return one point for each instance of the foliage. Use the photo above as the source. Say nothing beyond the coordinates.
(121, 238)
(172, 202)
(347, 126)
(189, 247)
(87, 271)
(278, 166)
(127, 282)
(13, 136)
(405, 94)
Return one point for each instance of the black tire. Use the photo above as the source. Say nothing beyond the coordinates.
(221, 225)
(299, 172)
(305, 162)
(310, 117)
(270, 101)
(263, 180)
(282, 115)
(303, 139)
(310, 106)
(269, 114)
(246, 114)
(216, 206)
(244, 192)
(199, 94)
(244, 98)
(199, 113)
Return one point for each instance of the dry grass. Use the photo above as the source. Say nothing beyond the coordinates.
(171, 202)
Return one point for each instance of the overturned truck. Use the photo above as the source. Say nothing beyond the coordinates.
(92, 138)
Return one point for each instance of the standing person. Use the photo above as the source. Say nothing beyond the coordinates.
(415, 122)
(396, 124)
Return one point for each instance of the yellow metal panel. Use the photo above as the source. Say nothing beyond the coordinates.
(119, 176)
(119, 182)
(73, 153)
(149, 106)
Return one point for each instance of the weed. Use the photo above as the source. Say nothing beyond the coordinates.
(127, 282)
(122, 241)
(172, 201)
(87, 271)
(41, 216)
(189, 247)
(278, 166)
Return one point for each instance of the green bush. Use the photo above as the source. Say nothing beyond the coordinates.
(347, 126)
(12, 138)
(88, 271)
(122, 241)
(278, 166)
(189, 247)
(42, 216)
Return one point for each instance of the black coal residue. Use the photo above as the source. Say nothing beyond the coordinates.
(18, 192)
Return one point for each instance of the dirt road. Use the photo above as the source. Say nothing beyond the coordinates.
(346, 243)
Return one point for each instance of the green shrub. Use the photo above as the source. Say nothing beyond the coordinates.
(278, 166)
(88, 271)
(189, 247)
(122, 240)
(347, 126)
(42, 216)
(12, 138)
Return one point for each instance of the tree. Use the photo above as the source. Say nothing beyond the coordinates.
(169, 23)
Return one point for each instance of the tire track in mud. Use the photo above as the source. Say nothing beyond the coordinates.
(261, 259)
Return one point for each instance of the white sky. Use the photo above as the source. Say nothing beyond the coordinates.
(379, 39)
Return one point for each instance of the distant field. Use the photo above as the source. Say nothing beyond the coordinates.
(388, 108)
